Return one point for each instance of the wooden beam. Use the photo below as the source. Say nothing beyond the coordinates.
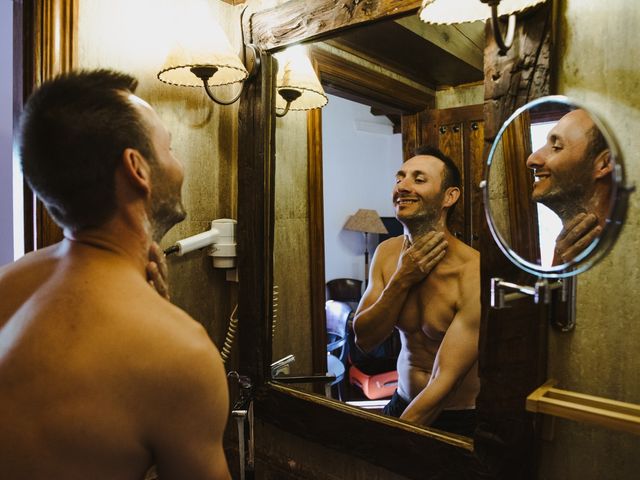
(296, 21)
(405, 445)
(465, 41)
(400, 50)
(513, 350)
(256, 164)
(356, 82)
(316, 242)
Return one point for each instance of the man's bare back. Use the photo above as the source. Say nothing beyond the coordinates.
(100, 376)
(91, 355)
(426, 315)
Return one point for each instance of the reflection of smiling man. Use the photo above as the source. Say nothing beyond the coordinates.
(426, 284)
(573, 179)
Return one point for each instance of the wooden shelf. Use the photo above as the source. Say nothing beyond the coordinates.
(585, 408)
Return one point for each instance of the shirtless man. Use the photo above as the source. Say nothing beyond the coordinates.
(101, 377)
(573, 178)
(427, 285)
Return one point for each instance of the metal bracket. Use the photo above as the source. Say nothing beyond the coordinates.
(502, 293)
(541, 291)
(280, 367)
(243, 413)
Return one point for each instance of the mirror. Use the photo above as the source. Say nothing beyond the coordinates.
(364, 177)
(501, 440)
(555, 194)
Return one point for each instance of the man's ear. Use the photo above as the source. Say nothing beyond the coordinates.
(602, 166)
(451, 196)
(137, 169)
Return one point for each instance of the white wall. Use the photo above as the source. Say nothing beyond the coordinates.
(6, 132)
(360, 157)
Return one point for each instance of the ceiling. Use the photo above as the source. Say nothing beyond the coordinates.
(434, 56)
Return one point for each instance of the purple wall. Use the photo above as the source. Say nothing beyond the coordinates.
(6, 132)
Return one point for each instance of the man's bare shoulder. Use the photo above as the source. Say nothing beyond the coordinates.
(30, 262)
(390, 246)
(464, 256)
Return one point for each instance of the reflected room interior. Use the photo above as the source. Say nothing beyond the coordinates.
(384, 99)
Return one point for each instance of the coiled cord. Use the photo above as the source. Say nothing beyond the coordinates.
(230, 336)
(274, 315)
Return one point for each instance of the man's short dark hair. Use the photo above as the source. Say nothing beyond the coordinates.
(75, 128)
(450, 175)
(596, 142)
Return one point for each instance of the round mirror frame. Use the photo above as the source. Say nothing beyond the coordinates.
(617, 207)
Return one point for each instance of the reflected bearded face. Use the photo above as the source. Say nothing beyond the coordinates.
(562, 167)
(418, 195)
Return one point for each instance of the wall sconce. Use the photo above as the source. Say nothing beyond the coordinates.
(204, 58)
(297, 84)
(441, 11)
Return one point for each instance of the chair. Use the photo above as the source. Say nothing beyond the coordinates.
(347, 290)
(337, 318)
(375, 372)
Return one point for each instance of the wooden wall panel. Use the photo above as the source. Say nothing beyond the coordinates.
(50, 47)
(512, 360)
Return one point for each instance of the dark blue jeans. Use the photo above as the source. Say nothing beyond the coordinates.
(461, 422)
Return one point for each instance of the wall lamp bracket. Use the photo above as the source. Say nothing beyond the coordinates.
(205, 72)
(208, 60)
(290, 95)
(504, 43)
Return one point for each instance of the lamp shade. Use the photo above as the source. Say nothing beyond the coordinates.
(202, 47)
(461, 11)
(367, 221)
(296, 72)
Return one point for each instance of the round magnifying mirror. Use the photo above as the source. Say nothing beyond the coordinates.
(554, 190)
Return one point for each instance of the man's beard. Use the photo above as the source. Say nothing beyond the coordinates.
(426, 218)
(166, 206)
(566, 198)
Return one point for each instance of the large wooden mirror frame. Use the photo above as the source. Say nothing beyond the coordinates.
(512, 343)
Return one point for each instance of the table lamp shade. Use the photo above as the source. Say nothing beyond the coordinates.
(367, 221)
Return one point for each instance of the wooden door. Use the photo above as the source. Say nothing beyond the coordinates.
(459, 134)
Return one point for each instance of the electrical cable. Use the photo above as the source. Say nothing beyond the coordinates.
(274, 315)
(230, 336)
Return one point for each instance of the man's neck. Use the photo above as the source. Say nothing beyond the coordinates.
(413, 231)
(127, 239)
(569, 211)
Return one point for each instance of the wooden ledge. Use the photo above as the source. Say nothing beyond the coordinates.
(585, 408)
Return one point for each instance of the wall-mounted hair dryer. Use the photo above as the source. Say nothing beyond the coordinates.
(221, 237)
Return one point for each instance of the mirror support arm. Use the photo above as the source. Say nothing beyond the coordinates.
(542, 294)
(541, 291)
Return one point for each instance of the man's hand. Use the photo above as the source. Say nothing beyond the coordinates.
(576, 236)
(157, 271)
(417, 261)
